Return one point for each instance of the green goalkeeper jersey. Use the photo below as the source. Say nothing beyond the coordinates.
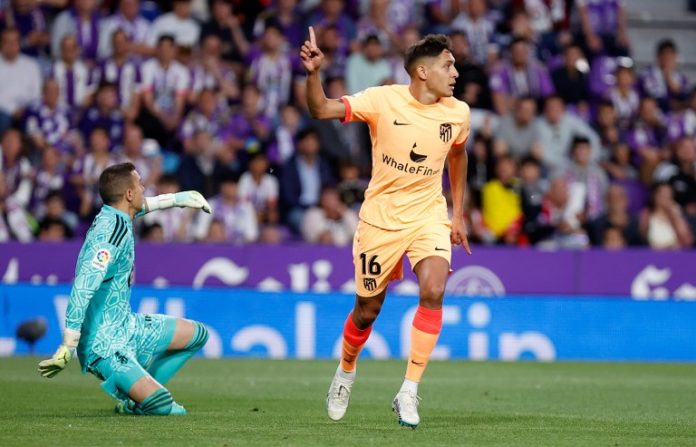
(99, 305)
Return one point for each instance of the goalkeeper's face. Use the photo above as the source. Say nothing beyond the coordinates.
(136, 194)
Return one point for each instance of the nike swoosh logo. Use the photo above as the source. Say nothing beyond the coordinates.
(440, 249)
(418, 363)
(396, 123)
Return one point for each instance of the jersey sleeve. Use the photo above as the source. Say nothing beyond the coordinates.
(98, 255)
(362, 106)
(465, 126)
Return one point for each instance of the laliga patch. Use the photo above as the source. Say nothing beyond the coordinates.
(101, 259)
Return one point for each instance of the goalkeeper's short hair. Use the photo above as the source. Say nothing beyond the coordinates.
(114, 182)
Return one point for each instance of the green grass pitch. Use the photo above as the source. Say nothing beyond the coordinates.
(265, 402)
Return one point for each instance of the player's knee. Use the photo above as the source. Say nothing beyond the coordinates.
(367, 314)
(431, 295)
(200, 337)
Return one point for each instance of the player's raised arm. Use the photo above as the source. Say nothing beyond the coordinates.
(183, 199)
(320, 107)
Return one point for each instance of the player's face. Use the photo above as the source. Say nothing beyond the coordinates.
(442, 75)
(137, 192)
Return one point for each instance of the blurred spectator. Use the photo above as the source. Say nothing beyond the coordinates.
(376, 23)
(284, 147)
(21, 73)
(548, 18)
(50, 177)
(29, 19)
(123, 71)
(287, 15)
(53, 209)
(209, 115)
(663, 81)
(174, 223)
(237, 216)
(47, 123)
(683, 123)
(212, 73)
(624, 96)
(83, 22)
(613, 239)
(302, 178)
(606, 125)
(603, 26)
(216, 232)
(368, 67)
(105, 114)
(481, 167)
(145, 157)
(645, 138)
(86, 172)
(330, 223)
(680, 173)
(74, 76)
(559, 224)
(557, 130)
(331, 12)
(18, 173)
(588, 177)
(260, 188)
(164, 89)
(407, 37)
(616, 217)
(134, 27)
(351, 188)
(152, 233)
(472, 83)
(532, 189)
(500, 199)
(14, 220)
(520, 75)
(248, 129)
(225, 26)
(178, 23)
(53, 230)
(439, 15)
(479, 29)
(200, 168)
(571, 80)
(517, 133)
(662, 224)
(270, 69)
(335, 52)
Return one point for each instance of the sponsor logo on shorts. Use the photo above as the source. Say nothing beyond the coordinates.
(101, 259)
(445, 132)
(370, 284)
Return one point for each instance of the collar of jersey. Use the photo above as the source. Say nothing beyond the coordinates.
(111, 209)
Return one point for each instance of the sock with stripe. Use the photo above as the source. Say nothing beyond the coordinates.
(353, 341)
(425, 331)
(158, 403)
(165, 367)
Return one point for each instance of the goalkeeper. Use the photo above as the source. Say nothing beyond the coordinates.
(134, 355)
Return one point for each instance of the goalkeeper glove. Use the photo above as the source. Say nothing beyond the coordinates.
(65, 352)
(184, 199)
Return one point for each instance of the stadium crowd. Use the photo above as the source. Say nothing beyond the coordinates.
(571, 144)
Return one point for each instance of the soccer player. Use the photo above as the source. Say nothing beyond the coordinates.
(414, 129)
(133, 355)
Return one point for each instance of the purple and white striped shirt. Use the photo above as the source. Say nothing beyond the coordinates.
(52, 124)
(532, 81)
(126, 76)
(76, 83)
(602, 14)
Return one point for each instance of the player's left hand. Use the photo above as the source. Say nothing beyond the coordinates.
(459, 234)
(50, 367)
(192, 199)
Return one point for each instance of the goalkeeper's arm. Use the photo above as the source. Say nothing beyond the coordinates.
(184, 199)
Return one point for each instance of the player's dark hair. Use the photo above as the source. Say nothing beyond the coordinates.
(429, 46)
(114, 182)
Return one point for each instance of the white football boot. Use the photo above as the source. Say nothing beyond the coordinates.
(339, 394)
(405, 405)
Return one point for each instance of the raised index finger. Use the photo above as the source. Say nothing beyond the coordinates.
(312, 37)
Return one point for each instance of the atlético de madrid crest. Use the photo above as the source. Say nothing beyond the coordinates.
(445, 132)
